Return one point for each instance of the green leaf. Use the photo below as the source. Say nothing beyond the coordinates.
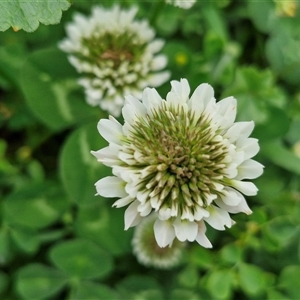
(215, 20)
(281, 156)
(35, 206)
(90, 290)
(26, 239)
(79, 169)
(274, 294)
(5, 244)
(254, 103)
(168, 21)
(270, 130)
(3, 282)
(134, 284)
(188, 277)
(81, 259)
(231, 253)
(281, 229)
(201, 257)
(289, 281)
(11, 59)
(219, 283)
(179, 294)
(149, 295)
(282, 50)
(262, 14)
(52, 93)
(28, 14)
(37, 281)
(252, 279)
(104, 226)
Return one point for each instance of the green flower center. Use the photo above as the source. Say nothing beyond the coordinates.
(115, 48)
(180, 158)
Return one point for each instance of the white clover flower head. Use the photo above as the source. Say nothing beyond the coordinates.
(185, 4)
(183, 158)
(148, 252)
(117, 55)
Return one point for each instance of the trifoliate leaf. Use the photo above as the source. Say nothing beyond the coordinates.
(37, 281)
(81, 259)
(27, 15)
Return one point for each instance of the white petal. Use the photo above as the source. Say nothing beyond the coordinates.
(159, 62)
(218, 218)
(155, 46)
(131, 216)
(227, 109)
(164, 213)
(200, 98)
(123, 202)
(164, 232)
(200, 213)
(111, 130)
(144, 209)
(133, 109)
(151, 99)
(245, 187)
(182, 89)
(249, 169)
(241, 207)
(249, 146)
(201, 237)
(231, 197)
(185, 230)
(108, 155)
(239, 130)
(110, 186)
(157, 79)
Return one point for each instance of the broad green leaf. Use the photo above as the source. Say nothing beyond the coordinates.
(201, 257)
(215, 20)
(282, 50)
(135, 284)
(271, 129)
(37, 281)
(274, 294)
(28, 14)
(289, 281)
(262, 14)
(11, 59)
(26, 239)
(252, 279)
(81, 259)
(219, 283)
(5, 246)
(281, 229)
(104, 225)
(168, 21)
(90, 290)
(256, 92)
(35, 206)
(3, 282)
(79, 169)
(281, 156)
(179, 294)
(149, 295)
(188, 277)
(231, 253)
(51, 91)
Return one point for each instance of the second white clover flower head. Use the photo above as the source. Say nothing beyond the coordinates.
(116, 54)
(148, 252)
(185, 4)
(183, 159)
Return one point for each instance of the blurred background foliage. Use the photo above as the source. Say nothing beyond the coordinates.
(59, 241)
